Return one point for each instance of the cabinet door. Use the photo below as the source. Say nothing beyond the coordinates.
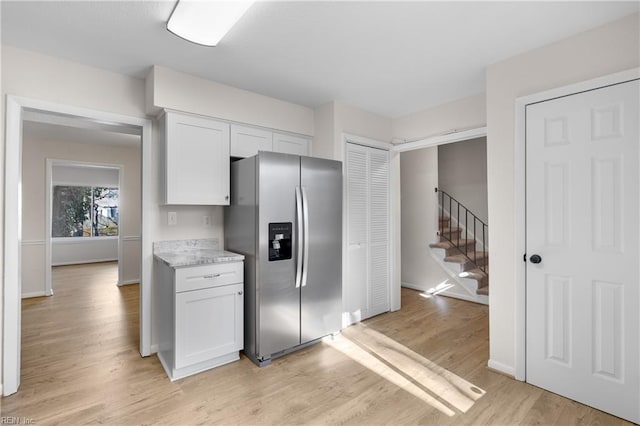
(197, 160)
(247, 141)
(290, 144)
(209, 324)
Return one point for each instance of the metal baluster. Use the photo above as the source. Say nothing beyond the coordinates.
(442, 209)
(458, 225)
(450, 217)
(484, 249)
(466, 232)
(463, 238)
(475, 238)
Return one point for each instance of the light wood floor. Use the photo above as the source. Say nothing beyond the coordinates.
(425, 364)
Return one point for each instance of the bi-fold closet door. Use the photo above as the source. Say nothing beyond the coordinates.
(368, 224)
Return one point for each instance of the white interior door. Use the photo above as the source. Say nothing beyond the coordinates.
(367, 192)
(583, 223)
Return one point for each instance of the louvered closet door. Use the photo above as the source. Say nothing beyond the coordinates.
(378, 229)
(367, 178)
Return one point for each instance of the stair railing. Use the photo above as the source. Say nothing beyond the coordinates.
(460, 210)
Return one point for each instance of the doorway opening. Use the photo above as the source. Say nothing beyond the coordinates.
(21, 112)
(443, 248)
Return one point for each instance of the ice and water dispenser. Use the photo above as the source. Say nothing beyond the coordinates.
(280, 234)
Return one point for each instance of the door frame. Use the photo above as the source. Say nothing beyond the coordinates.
(50, 163)
(394, 236)
(433, 142)
(520, 277)
(15, 108)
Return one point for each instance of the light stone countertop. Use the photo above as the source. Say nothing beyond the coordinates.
(180, 253)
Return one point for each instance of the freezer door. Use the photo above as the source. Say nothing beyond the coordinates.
(321, 297)
(278, 321)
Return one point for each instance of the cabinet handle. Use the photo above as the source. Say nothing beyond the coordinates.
(208, 277)
(240, 293)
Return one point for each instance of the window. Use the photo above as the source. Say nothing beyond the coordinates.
(82, 211)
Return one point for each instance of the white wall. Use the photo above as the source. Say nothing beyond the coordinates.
(604, 50)
(323, 145)
(336, 118)
(73, 251)
(462, 173)
(461, 114)
(171, 89)
(419, 175)
(83, 175)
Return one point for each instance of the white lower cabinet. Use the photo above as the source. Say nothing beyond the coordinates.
(200, 316)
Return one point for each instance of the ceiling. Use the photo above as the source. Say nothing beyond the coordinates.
(391, 58)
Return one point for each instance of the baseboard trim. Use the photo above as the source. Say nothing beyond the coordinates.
(154, 349)
(479, 300)
(35, 294)
(82, 262)
(413, 286)
(502, 368)
(128, 282)
(33, 242)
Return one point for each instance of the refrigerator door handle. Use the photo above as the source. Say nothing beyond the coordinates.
(305, 213)
(299, 231)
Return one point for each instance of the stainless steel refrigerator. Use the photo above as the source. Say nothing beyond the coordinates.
(285, 217)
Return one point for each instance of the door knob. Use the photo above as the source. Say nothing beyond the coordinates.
(535, 259)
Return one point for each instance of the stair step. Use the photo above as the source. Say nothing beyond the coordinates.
(441, 245)
(444, 244)
(474, 274)
(451, 232)
(480, 276)
(453, 229)
(483, 290)
(461, 258)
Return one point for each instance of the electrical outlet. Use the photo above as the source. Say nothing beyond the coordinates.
(172, 218)
(206, 221)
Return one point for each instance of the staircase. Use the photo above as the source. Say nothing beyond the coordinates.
(464, 241)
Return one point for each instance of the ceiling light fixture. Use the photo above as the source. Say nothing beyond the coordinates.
(205, 22)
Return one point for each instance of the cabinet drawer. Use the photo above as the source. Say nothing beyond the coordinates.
(206, 276)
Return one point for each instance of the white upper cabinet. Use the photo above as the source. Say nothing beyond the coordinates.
(290, 144)
(196, 160)
(247, 141)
